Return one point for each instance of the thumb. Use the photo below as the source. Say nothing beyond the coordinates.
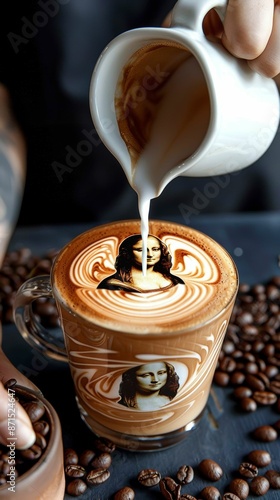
(15, 425)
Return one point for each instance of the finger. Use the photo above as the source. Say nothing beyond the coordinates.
(212, 25)
(268, 63)
(15, 425)
(247, 27)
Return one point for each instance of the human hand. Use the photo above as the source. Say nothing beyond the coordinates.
(250, 31)
(24, 430)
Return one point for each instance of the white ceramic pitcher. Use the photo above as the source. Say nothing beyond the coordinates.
(169, 102)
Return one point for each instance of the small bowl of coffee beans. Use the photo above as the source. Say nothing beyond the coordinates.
(36, 472)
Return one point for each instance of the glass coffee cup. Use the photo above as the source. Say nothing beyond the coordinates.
(142, 348)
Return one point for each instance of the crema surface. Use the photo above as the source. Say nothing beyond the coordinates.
(205, 267)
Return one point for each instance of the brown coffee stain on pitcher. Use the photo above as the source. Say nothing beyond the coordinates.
(140, 90)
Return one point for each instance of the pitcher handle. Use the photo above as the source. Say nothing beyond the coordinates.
(190, 13)
(28, 325)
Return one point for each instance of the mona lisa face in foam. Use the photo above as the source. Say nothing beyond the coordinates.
(153, 252)
(166, 339)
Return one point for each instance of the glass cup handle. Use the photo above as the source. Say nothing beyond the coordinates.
(190, 13)
(49, 343)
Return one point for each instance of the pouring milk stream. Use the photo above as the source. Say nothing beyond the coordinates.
(169, 102)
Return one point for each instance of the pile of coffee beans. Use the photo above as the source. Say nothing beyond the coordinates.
(17, 267)
(248, 482)
(23, 460)
(249, 364)
(250, 358)
(88, 468)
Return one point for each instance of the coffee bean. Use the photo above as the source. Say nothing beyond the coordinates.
(149, 477)
(221, 378)
(228, 347)
(102, 461)
(5, 469)
(248, 404)
(41, 441)
(248, 357)
(210, 469)
(97, 476)
(265, 433)
(258, 289)
(272, 292)
(244, 288)
(274, 387)
(255, 383)
(169, 488)
(227, 364)
(264, 398)
(247, 469)
(104, 445)
(259, 485)
(242, 392)
(250, 331)
(260, 458)
(269, 350)
(125, 493)
(41, 427)
(240, 488)
(11, 383)
(185, 474)
(76, 487)
(237, 378)
(34, 409)
(251, 368)
(32, 453)
(210, 493)
(75, 470)
(70, 456)
(274, 479)
(271, 371)
(274, 361)
(86, 457)
(244, 318)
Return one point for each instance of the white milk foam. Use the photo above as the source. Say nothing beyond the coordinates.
(178, 111)
(205, 268)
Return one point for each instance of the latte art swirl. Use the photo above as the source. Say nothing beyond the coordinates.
(180, 306)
